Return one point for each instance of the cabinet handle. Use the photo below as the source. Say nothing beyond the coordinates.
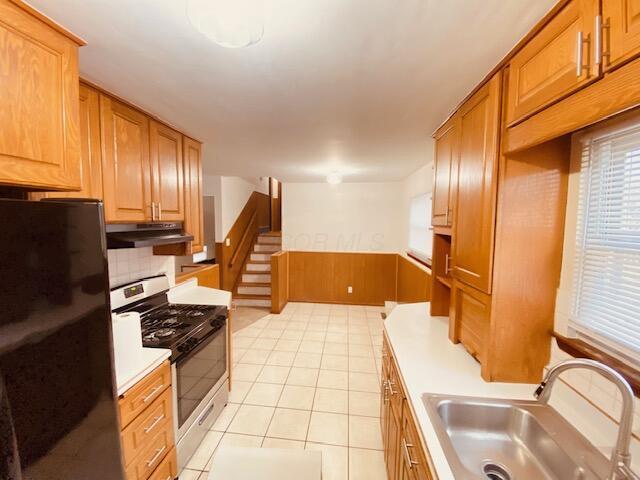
(152, 393)
(407, 455)
(446, 264)
(156, 421)
(597, 44)
(579, 55)
(386, 391)
(391, 390)
(159, 452)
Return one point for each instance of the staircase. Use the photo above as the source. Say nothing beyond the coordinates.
(254, 288)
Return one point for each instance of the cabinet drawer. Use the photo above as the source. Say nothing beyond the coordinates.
(152, 455)
(546, 69)
(413, 457)
(168, 468)
(141, 430)
(396, 394)
(135, 400)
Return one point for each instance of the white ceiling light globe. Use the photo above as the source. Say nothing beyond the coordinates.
(229, 23)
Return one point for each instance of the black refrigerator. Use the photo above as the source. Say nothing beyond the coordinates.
(58, 401)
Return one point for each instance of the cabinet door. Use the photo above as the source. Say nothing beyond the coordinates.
(547, 68)
(392, 452)
(446, 150)
(413, 461)
(126, 170)
(471, 316)
(90, 154)
(39, 133)
(472, 245)
(167, 172)
(193, 214)
(622, 36)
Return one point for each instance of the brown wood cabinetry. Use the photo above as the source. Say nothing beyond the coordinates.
(621, 31)
(404, 455)
(146, 418)
(472, 244)
(470, 318)
(193, 217)
(90, 153)
(556, 62)
(126, 167)
(446, 152)
(167, 185)
(40, 133)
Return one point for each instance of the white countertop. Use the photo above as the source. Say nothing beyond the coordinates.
(430, 363)
(190, 292)
(134, 370)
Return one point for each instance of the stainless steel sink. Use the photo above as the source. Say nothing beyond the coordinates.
(490, 439)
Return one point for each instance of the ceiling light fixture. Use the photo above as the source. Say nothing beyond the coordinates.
(229, 23)
(334, 178)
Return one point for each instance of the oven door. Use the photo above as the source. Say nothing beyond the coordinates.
(198, 373)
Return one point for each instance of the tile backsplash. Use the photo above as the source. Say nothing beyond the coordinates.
(129, 264)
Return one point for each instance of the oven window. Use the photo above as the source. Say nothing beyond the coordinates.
(198, 373)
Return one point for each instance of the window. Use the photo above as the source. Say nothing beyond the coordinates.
(420, 235)
(606, 280)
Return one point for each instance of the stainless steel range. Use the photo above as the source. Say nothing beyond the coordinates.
(197, 338)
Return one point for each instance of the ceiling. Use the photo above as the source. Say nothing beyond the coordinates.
(356, 86)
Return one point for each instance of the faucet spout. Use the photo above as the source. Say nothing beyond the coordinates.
(621, 457)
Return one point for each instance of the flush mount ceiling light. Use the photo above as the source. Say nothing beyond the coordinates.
(229, 23)
(334, 178)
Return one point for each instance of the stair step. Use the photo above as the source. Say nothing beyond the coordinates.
(265, 247)
(252, 301)
(258, 267)
(256, 278)
(258, 289)
(269, 239)
(260, 257)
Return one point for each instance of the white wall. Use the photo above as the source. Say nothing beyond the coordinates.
(418, 183)
(357, 217)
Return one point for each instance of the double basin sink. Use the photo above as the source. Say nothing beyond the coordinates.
(486, 439)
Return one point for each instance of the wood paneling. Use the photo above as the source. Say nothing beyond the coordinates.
(90, 152)
(279, 281)
(207, 276)
(193, 215)
(264, 209)
(325, 277)
(167, 171)
(545, 70)
(616, 92)
(413, 282)
(40, 133)
(528, 257)
(622, 34)
(241, 236)
(472, 246)
(446, 159)
(126, 168)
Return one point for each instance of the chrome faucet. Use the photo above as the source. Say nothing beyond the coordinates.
(620, 458)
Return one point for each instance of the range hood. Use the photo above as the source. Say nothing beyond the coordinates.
(133, 235)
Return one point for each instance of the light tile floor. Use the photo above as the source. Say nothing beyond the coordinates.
(307, 378)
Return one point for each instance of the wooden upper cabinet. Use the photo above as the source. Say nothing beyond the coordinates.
(472, 246)
(621, 31)
(547, 68)
(167, 172)
(90, 152)
(126, 169)
(446, 150)
(193, 217)
(39, 133)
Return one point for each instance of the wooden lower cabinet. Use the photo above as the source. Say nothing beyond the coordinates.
(471, 315)
(146, 418)
(403, 452)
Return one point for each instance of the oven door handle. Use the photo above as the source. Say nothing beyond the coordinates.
(206, 413)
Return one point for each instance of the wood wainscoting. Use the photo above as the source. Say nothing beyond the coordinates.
(325, 277)
(279, 281)
(413, 282)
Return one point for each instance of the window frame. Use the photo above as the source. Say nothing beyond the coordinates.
(412, 253)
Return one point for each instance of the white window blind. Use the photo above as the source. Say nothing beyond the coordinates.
(606, 304)
(420, 234)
